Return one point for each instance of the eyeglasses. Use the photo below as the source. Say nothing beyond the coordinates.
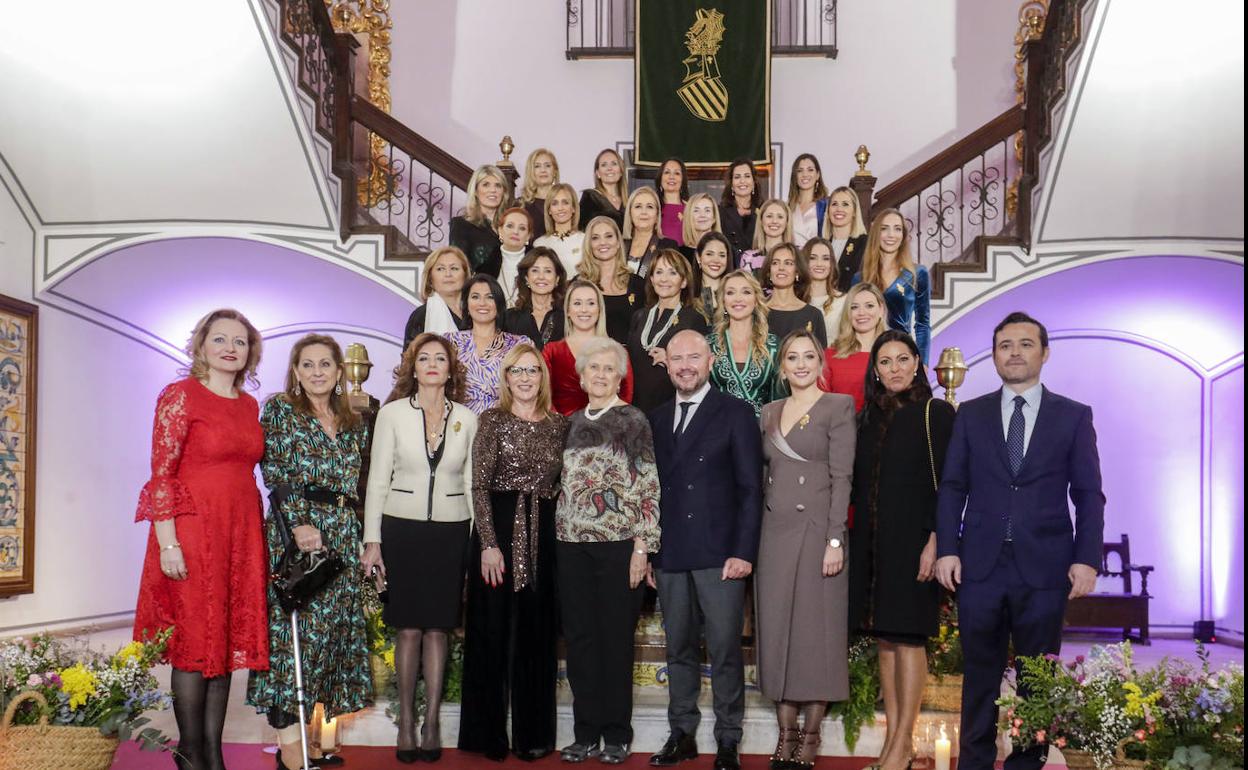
(530, 371)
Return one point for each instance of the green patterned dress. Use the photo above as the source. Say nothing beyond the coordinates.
(332, 635)
(755, 383)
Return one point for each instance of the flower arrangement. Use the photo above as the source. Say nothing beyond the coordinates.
(1169, 716)
(864, 690)
(944, 651)
(84, 688)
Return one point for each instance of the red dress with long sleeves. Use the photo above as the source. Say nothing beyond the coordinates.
(565, 384)
(204, 453)
(846, 375)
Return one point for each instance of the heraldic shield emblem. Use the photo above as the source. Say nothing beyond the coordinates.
(702, 90)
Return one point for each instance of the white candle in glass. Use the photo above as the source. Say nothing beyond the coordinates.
(943, 749)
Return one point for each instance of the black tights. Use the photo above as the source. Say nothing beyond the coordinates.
(412, 647)
(199, 707)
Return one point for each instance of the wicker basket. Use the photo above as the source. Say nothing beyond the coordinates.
(1122, 762)
(1078, 760)
(943, 694)
(51, 747)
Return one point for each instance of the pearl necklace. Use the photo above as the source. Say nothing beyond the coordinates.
(593, 417)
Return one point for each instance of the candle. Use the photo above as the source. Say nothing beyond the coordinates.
(942, 749)
(329, 736)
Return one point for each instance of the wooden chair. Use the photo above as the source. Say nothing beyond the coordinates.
(1126, 610)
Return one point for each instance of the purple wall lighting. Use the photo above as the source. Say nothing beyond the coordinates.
(1156, 346)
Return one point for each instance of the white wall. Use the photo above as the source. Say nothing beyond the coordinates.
(911, 79)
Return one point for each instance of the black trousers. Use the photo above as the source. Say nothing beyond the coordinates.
(509, 646)
(599, 620)
(992, 612)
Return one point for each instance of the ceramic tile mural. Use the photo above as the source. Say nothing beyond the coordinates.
(18, 322)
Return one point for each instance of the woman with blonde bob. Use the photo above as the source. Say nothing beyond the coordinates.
(562, 217)
(701, 217)
(843, 227)
(606, 266)
(511, 627)
(889, 266)
(313, 450)
(773, 227)
(205, 572)
(742, 347)
(643, 234)
(541, 173)
(606, 197)
(417, 514)
(475, 232)
(441, 285)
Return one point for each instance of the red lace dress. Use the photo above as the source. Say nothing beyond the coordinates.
(204, 453)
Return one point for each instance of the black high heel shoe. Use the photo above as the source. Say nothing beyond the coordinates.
(434, 754)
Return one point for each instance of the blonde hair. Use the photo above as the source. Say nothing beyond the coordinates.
(758, 323)
(472, 210)
(628, 210)
(760, 240)
(543, 389)
(580, 283)
(621, 189)
(426, 273)
(588, 269)
(555, 189)
(688, 234)
(830, 285)
(873, 260)
(529, 192)
(846, 342)
(195, 348)
(856, 227)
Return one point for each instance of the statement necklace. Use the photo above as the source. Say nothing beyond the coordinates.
(648, 341)
(593, 417)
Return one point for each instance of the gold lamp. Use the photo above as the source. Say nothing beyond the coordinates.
(506, 147)
(951, 372)
(862, 156)
(357, 367)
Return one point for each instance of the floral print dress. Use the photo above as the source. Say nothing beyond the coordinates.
(332, 634)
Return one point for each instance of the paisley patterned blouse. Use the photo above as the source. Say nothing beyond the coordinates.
(755, 382)
(484, 368)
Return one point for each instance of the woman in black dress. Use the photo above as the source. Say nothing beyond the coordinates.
(606, 197)
(903, 434)
(787, 279)
(475, 232)
(538, 313)
(739, 205)
(670, 308)
(606, 266)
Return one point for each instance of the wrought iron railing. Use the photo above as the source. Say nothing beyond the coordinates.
(607, 28)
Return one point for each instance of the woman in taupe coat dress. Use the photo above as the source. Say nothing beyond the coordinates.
(800, 583)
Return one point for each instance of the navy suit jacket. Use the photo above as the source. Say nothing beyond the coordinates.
(977, 491)
(712, 500)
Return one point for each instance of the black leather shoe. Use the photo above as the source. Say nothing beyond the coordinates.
(532, 755)
(679, 748)
(430, 755)
(407, 756)
(726, 758)
(579, 752)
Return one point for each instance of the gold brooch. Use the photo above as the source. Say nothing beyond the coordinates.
(632, 299)
(802, 423)
(849, 249)
(456, 426)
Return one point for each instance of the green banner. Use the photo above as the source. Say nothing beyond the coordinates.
(703, 81)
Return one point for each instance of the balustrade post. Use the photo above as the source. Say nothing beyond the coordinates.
(863, 183)
(344, 47)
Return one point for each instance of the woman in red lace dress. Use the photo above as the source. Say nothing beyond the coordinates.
(206, 568)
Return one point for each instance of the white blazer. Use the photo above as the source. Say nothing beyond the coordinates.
(398, 477)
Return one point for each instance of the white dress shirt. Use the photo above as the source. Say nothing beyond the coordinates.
(1030, 410)
(695, 399)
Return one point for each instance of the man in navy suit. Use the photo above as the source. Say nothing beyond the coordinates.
(710, 457)
(1004, 536)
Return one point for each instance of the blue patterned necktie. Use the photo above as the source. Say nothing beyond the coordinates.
(1014, 450)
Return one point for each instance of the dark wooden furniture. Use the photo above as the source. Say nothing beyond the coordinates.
(1126, 609)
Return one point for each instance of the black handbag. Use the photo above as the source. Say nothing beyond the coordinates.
(299, 575)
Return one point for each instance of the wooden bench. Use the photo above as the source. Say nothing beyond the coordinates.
(1126, 610)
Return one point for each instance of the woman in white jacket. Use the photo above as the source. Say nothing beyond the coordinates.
(417, 515)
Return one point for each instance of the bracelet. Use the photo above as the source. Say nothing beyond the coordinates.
(171, 546)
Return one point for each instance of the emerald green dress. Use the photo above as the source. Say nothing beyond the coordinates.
(755, 382)
(332, 636)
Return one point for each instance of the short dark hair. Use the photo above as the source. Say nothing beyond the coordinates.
(1019, 317)
(496, 292)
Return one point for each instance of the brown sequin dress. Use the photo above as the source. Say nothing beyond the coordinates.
(511, 629)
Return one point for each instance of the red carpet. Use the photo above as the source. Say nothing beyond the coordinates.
(240, 756)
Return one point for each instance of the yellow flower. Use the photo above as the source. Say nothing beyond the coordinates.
(388, 657)
(78, 683)
(1137, 702)
(133, 651)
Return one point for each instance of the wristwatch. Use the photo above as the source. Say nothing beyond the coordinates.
(834, 542)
